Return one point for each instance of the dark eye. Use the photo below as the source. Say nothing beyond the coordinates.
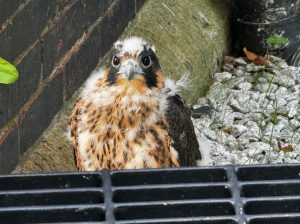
(146, 61)
(115, 61)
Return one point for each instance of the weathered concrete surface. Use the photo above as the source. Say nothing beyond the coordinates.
(189, 36)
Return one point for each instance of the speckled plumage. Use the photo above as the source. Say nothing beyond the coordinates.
(127, 116)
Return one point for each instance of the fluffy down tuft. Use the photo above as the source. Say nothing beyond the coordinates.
(132, 45)
(173, 87)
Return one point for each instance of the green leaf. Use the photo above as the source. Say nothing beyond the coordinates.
(8, 72)
(276, 41)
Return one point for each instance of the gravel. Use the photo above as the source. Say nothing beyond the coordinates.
(251, 114)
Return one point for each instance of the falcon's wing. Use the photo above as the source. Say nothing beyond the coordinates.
(74, 121)
(182, 132)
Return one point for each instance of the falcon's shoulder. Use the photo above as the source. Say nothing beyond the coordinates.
(182, 132)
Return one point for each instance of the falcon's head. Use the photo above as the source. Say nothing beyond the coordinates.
(134, 65)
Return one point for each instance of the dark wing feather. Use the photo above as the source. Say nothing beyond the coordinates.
(182, 132)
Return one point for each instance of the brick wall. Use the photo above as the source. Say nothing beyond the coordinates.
(54, 45)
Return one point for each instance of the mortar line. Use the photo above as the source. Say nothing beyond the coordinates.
(8, 22)
(18, 119)
(50, 25)
(75, 48)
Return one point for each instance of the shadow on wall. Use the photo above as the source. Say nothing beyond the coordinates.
(54, 45)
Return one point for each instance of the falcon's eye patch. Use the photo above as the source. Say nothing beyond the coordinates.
(146, 61)
(115, 61)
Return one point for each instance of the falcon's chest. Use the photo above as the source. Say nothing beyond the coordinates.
(123, 114)
(129, 131)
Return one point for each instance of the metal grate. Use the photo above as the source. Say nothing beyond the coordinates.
(209, 195)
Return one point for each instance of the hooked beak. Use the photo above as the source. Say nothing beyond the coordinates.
(130, 68)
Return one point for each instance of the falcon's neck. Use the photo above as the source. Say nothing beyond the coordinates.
(128, 102)
(136, 109)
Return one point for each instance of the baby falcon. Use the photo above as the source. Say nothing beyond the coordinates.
(129, 116)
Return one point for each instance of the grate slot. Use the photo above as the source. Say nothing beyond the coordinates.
(293, 181)
(194, 220)
(170, 176)
(273, 172)
(52, 215)
(273, 206)
(269, 190)
(275, 219)
(171, 193)
(19, 182)
(164, 186)
(51, 198)
(173, 209)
